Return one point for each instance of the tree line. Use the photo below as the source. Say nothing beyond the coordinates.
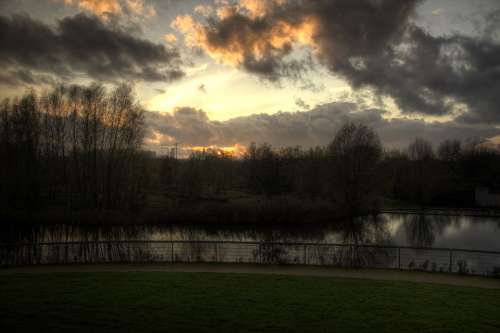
(354, 171)
(81, 147)
(75, 146)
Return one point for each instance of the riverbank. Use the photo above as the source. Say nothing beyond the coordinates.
(203, 302)
(228, 208)
(213, 215)
(231, 208)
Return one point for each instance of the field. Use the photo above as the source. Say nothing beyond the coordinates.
(198, 302)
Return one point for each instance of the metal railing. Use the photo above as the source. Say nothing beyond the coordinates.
(320, 254)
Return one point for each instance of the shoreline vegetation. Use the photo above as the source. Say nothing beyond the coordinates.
(274, 211)
(76, 155)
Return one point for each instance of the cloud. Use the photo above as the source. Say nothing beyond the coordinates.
(373, 44)
(203, 10)
(139, 7)
(442, 75)
(192, 127)
(491, 30)
(19, 77)
(170, 38)
(84, 45)
(98, 7)
(302, 104)
(258, 46)
(185, 125)
(437, 12)
(258, 35)
(104, 8)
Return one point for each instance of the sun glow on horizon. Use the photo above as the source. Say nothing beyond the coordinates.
(224, 93)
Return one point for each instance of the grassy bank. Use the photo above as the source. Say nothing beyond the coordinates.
(187, 302)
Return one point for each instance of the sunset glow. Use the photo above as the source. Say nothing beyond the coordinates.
(262, 62)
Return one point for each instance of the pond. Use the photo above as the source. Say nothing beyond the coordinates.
(463, 232)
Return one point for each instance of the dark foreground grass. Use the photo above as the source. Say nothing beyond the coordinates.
(190, 302)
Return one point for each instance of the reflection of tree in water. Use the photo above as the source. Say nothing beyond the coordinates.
(69, 243)
(421, 229)
(255, 232)
(362, 231)
(46, 233)
(365, 230)
(350, 232)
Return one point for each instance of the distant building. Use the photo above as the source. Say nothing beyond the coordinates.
(487, 198)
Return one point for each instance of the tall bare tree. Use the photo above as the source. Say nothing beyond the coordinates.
(355, 153)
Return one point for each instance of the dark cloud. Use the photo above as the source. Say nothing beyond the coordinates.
(192, 127)
(434, 75)
(185, 125)
(369, 43)
(491, 29)
(15, 78)
(259, 37)
(83, 44)
(302, 104)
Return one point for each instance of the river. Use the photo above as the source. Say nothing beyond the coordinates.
(463, 232)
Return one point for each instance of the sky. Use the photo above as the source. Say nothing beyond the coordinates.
(288, 72)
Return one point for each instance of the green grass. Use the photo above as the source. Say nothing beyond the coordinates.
(190, 302)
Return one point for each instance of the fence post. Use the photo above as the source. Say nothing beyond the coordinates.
(451, 260)
(216, 252)
(351, 255)
(260, 252)
(305, 254)
(399, 258)
(172, 252)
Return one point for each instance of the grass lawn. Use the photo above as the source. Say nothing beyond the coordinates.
(187, 302)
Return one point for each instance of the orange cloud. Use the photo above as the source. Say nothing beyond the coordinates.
(139, 7)
(192, 30)
(252, 39)
(104, 7)
(259, 8)
(261, 36)
(98, 7)
(170, 38)
(203, 10)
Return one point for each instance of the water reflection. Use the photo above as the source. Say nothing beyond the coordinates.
(421, 230)
(476, 233)
(387, 229)
(367, 230)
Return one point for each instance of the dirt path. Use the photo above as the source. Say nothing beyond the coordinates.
(373, 274)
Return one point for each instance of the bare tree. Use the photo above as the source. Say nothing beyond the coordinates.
(78, 144)
(420, 150)
(422, 171)
(450, 150)
(355, 152)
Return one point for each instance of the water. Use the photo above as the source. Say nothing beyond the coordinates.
(474, 233)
